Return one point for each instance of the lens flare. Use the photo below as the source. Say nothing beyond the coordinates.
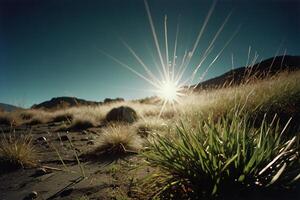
(170, 86)
(169, 92)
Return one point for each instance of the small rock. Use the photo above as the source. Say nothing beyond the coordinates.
(66, 192)
(64, 138)
(31, 195)
(84, 139)
(40, 172)
(91, 142)
(41, 139)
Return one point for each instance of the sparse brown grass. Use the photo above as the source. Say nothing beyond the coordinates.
(26, 114)
(275, 94)
(31, 116)
(278, 94)
(16, 152)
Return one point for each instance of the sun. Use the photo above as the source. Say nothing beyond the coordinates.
(175, 80)
(169, 91)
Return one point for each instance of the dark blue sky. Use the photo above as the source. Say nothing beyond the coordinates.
(50, 48)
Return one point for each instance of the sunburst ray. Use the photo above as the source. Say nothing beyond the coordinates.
(170, 87)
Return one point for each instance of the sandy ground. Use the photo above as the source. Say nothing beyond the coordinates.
(105, 178)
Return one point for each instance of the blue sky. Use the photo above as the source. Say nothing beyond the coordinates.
(51, 48)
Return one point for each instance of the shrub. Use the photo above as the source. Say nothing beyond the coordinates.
(16, 152)
(227, 158)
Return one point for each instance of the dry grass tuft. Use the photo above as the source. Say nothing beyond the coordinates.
(62, 117)
(152, 125)
(118, 140)
(26, 115)
(33, 117)
(6, 120)
(81, 124)
(35, 121)
(16, 152)
(9, 119)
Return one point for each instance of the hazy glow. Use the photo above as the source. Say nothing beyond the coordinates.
(169, 92)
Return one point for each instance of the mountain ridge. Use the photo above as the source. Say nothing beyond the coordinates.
(66, 102)
(262, 69)
(8, 107)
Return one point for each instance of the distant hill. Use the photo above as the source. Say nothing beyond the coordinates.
(63, 102)
(270, 66)
(66, 102)
(8, 107)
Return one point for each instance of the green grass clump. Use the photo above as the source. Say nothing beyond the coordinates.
(227, 158)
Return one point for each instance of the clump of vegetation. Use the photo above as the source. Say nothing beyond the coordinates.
(6, 120)
(150, 125)
(16, 152)
(35, 121)
(27, 114)
(62, 117)
(117, 140)
(227, 158)
(81, 124)
(9, 119)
